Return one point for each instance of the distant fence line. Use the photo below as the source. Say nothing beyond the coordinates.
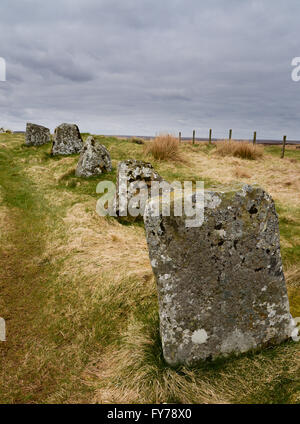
(210, 139)
(254, 140)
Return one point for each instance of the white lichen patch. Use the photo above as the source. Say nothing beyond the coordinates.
(295, 329)
(238, 341)
(264, 288)
(221, 233)
(154, 263)
(246, 189)
(271, 310)
(165, 258)
(199, 336)
(164, 277)
(211, 200)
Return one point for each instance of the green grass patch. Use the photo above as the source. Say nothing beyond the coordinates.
(289, 153)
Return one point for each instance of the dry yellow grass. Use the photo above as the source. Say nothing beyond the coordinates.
(241, 149)
(240, 172)
(104, 245)
(292, 276)
(124, 377)
(130, 375)
(97, 247)
(164, 147)
(271, 173)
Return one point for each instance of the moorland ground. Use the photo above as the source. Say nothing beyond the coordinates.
(78, 293)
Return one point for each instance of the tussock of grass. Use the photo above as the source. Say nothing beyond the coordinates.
(164, 147)
(240, 172)
(241, 150)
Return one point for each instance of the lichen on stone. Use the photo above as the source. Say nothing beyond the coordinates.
(36, 135)
(94, 159)
(66, 140)
(224, 277)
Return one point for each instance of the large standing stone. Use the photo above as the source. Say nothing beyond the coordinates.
(221, 286)
(130, 173)
(36, 135)
(94, 159)
(67, 140)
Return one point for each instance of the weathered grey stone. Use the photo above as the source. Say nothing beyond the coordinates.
(131, 172)
(36, 135)
(94, 159)
(67, 140)
(221, 286)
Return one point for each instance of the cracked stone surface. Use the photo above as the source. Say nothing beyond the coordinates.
(129, 173)
(36, 135)
(67, 140)
(221, 286)
(94, 159)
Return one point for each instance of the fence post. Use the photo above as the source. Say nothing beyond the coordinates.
(179, 136)
(283, 146)
(254, 137)
(230, 134)
(210, 132)
(194, 136)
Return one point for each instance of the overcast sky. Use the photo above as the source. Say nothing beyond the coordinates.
(150, 66)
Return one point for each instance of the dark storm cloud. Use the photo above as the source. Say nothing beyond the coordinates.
(144, 66)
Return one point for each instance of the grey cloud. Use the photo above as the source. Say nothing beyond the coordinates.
(144, 66)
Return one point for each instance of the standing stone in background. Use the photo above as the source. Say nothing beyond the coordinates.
(130, 172)
(67, 140)
(94, 159)
(221, 286)
(36, 135)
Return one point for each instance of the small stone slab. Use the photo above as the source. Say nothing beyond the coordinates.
(67, 140)
(36, 135)
(131, 172)
(94, 159)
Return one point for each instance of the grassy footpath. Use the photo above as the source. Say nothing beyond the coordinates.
(31, 367)
(79, 297)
